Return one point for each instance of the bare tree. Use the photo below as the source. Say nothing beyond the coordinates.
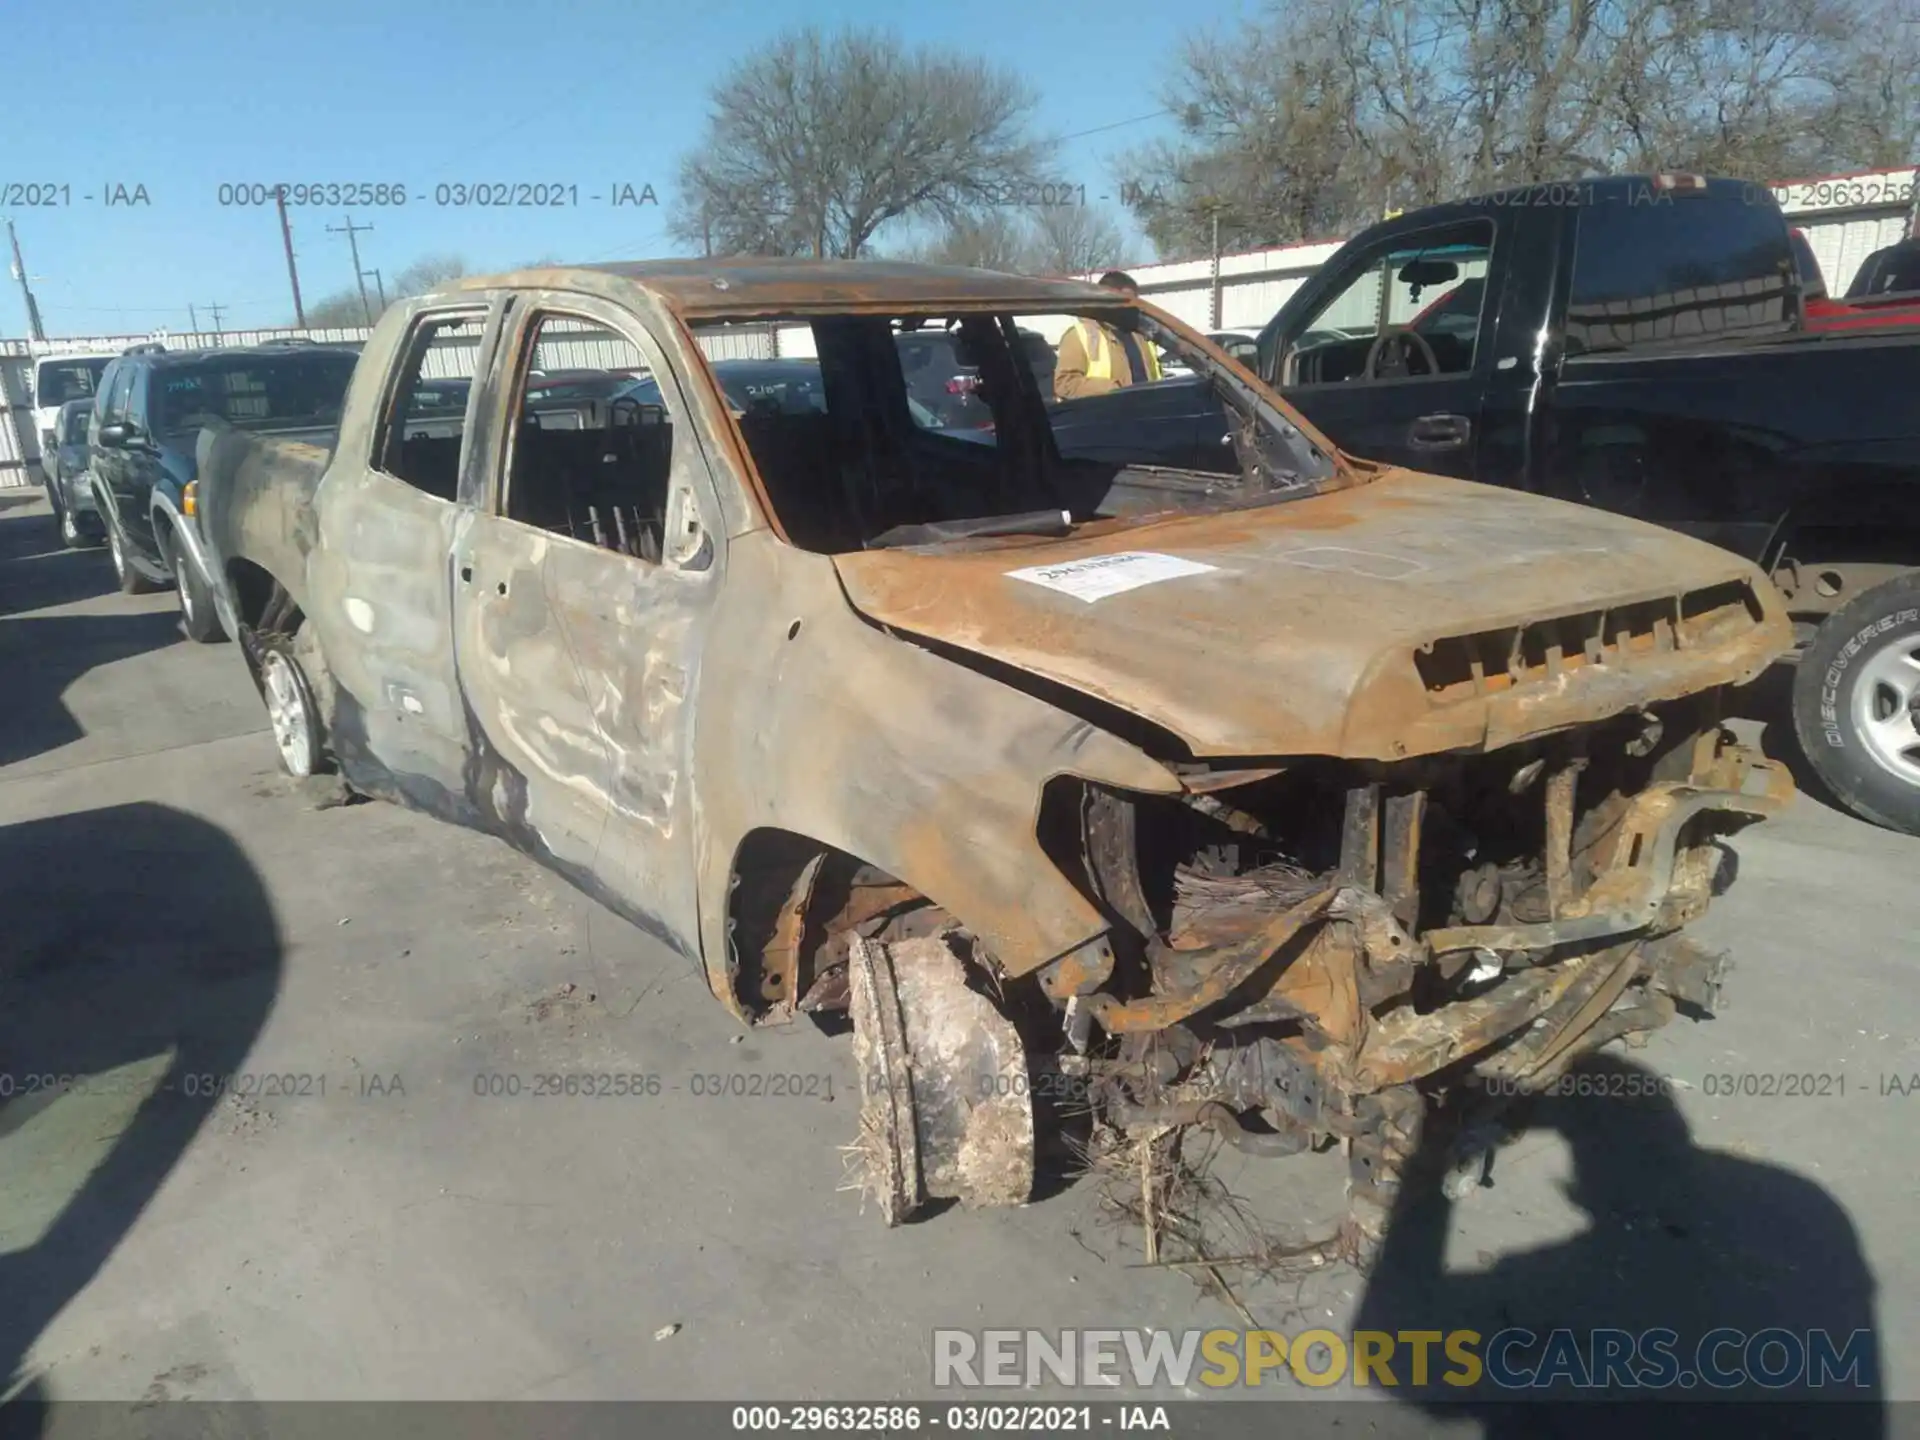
(427, 274)
(342, 308)
(817, 141)
(1314, 119)
(1043, 240)
(1266, 119)
(1073, 240)
(992, 240)
(1877, 120)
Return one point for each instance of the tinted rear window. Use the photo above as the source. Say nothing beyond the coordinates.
(1892, 271)
(64, 380)
(1650, 269)
(250, 392)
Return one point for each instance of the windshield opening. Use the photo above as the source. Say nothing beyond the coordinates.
(251, 392)
(874, 431)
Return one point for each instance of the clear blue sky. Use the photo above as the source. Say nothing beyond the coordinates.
(587, 92)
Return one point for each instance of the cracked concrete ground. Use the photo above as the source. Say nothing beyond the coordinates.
(370, 1219)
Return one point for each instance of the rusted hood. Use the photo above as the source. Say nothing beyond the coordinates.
(1395, 618)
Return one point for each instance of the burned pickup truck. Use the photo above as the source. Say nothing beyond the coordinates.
(1275, 795)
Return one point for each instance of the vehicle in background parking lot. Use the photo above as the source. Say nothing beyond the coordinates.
(944, 377)
(787, 387)
(58, 378)
(1891, 273)
(153, 403)
(1858, 311)
(69, 481)
(1271, 792)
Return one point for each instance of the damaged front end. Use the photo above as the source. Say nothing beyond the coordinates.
(1311, 952)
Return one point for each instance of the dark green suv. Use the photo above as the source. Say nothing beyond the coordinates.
(152, 405)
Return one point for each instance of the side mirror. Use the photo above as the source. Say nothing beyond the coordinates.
(688, 545)
(116, 435)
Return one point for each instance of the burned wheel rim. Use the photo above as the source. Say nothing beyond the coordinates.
(1886, 707)
(289, 713)
(69, 530)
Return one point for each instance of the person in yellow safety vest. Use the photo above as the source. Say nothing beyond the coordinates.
(1095, 358)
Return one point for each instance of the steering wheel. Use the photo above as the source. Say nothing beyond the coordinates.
(1392, 348)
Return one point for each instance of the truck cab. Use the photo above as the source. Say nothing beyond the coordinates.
(1642, 344)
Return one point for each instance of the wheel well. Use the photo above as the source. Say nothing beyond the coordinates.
(163, 534)
(260, 601)
(792, 904)
(1819, 568)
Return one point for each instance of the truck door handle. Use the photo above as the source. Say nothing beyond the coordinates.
(1439, 432)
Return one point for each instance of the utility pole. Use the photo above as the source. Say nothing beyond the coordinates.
(215, 307)
(193, 316)
(1213, 303)
(380, 287)
(34, 327)
(352, 232)
(286, 241)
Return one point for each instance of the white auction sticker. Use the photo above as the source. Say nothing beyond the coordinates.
(1099, 576)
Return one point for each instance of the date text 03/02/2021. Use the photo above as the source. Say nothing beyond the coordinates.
(895, 1419)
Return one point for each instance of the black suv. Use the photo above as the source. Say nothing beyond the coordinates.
(151, 406)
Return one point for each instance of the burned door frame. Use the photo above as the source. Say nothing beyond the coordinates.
(385, 549)
(582, 691)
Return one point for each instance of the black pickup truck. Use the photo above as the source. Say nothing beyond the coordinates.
(1639, 344)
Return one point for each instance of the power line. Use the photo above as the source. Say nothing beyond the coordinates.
(154, 309)
(1115, 125)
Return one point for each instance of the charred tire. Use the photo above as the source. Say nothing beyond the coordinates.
(1856, 704)
(132, 582)
(198, 616)
(291, 712)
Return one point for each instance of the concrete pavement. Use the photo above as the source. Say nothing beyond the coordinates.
(383, 1225)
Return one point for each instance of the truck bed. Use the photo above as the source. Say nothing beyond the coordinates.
(256, 498)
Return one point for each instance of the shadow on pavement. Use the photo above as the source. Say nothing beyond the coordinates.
(37, 570)
(141, 959)
(40, 656)
(1678, 1238)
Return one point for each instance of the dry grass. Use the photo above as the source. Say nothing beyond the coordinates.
(1163, 1186)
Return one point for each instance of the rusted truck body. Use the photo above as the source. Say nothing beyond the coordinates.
(1273, 791)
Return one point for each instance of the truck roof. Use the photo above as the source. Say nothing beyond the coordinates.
(757, 285)
(169, 359)
(1592, 190)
